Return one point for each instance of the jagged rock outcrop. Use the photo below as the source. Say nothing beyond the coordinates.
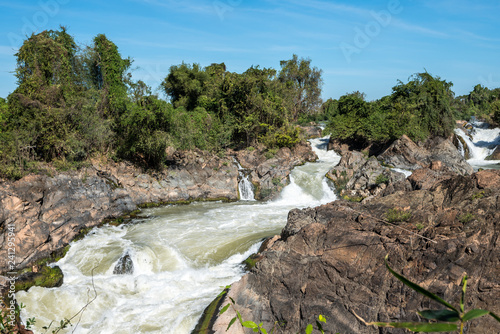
(404, 153)
(357, 177)
(329, 260)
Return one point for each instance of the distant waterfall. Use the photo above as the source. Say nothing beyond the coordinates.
(245, 187)
(481, 142)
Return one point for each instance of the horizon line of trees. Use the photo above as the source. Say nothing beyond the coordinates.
(72, 102)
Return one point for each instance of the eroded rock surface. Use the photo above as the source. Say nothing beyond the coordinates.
(406, 154)
(329, 260)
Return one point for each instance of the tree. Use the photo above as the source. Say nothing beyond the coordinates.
(108, 73)
(302, 86)
(185, 84)
(429, 99)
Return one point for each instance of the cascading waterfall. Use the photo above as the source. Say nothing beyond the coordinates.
(179, 258)
(245, 187)
(481, 142)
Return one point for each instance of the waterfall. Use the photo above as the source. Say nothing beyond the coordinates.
(481, 141)
(245, 187)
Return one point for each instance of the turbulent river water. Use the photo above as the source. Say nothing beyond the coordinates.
(182, 257)
(481, 141)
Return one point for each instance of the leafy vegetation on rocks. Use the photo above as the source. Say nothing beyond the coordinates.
(73, 102)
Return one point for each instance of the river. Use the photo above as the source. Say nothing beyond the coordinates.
(182, 257)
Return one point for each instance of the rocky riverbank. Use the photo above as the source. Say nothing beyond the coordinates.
(329, 260)
(436, 225)
(50, 211)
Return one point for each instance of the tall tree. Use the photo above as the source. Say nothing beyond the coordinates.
(302, 85)
(108, 72)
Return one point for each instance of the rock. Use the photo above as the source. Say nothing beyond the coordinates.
(357, 177)
(124, 266)
(329, 261)
(426, 178)
(495, 155)
(404, 153)
(311, 131)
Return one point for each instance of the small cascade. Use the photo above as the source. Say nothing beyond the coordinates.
(125, 265)
(245, 187)
(480, 143)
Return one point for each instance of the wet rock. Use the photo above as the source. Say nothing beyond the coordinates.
(495, 155)
(125, 265)
(329, 261)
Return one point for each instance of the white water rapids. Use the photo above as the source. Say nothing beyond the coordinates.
(481, 142)
(183, 256)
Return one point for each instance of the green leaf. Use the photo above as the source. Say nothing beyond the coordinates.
(418, 326)
(418, 288)
(309, 329)
(232, 300)
(239, 317)
(224, 309)
(249, 324)
(440, 315)
(263, 330)
(322, 318)
(464, 287)
(231, 323)
(473, 314)
(320, 328)
(495, 316)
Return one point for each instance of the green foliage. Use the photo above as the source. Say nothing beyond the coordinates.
(446, 318)
(8, 320)
(481, 103)
(466, 218)
(398, 215)
(478, 195)
(72, 103)
(382, 178)
(419, 109)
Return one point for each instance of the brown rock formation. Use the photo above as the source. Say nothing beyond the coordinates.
(329, 260)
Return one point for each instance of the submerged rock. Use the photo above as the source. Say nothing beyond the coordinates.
(124, 266)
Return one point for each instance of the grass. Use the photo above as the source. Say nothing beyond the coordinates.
(398, 215)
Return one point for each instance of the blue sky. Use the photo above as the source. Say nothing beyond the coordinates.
(359, 45)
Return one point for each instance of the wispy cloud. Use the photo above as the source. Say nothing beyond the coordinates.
(419, 29)
(332, 7)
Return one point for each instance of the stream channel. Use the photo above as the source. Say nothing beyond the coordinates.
(177, 258)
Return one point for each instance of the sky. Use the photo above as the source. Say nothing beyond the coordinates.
(364, 46)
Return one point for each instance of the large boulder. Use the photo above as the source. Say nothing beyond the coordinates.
(329, 260)
(406, 154)
(357, 177)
